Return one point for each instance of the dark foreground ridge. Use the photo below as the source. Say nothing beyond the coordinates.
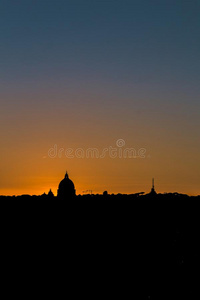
(143, 246)
(127, 242)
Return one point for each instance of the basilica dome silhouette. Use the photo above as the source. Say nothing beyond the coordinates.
(66, 189)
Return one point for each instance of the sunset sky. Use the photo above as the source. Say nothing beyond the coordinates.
(79, 74)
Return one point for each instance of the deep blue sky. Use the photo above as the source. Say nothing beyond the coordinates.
(155, 41)
(107, 69)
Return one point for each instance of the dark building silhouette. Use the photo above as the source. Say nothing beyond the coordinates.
(153, 192)
(50, 194)
(66, 189)
(105, 193)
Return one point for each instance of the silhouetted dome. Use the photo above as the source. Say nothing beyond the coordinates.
(50, 193)
(66, 184)
(66, 188)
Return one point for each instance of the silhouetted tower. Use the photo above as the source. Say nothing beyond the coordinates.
(66, 189)
(152, 185)
(153, 192)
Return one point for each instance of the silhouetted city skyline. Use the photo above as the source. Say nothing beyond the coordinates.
(108, 89)
(66, 191)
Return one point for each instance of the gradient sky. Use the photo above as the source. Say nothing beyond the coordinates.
(81, 74)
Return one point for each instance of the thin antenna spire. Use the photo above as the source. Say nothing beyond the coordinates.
(153, 192)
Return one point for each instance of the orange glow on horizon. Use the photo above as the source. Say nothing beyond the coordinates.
(28, 168)
(86, 83)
